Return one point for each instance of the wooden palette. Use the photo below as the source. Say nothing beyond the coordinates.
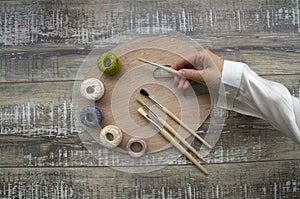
(121, 90)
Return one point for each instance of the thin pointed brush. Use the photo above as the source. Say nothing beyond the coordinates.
(170, 70)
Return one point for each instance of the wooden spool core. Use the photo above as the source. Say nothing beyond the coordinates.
(121, 90)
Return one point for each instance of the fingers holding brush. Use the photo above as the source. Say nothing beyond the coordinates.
(182, 82)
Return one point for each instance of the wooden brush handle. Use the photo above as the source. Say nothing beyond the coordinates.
(170, 70)
(168, 137)
(186, 127)
(180, 138)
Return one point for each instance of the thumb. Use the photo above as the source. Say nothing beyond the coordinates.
(192, 74)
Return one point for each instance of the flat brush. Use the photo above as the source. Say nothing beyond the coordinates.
(170, 139)
(170, 70)
(174, 117)
(170, 129)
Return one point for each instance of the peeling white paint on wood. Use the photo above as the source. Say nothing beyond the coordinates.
(29, 24)
(38, 119)
(262, 163)
(298, 15)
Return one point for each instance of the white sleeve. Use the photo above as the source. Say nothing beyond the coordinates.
(243, 91)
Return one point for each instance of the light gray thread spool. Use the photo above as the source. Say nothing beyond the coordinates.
(111, 136)
(136, 147)
(92, 89)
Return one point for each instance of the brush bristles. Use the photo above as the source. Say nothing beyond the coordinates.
(142, 60)
(144, 92)
(142, 112)
(139, 100)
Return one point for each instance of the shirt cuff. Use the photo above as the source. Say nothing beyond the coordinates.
(232, 73)
(230, 83)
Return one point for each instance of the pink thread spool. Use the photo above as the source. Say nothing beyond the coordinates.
(136, 147)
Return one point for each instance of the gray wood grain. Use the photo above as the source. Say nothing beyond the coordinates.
(79, 22)
(246, 180)
(243, 139)
(266, 54)
(43, 44)
(46, 108)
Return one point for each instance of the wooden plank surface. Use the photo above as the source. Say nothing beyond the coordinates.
(43, 45)
(246, 180)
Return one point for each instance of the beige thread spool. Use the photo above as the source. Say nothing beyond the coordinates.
(136, 147)
(111, 136)
(92, 89)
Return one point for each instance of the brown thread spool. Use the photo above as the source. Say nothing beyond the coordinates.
(136, 147)
(111, 136)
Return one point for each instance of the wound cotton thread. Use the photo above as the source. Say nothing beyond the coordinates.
(111, 136)
(91, 116)
(92, 89)
(108, 63)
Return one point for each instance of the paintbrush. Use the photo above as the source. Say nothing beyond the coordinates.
(169, 138)
(170, 129)
(170, 70)
(174, 117)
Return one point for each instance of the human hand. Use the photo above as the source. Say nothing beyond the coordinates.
(202, 67)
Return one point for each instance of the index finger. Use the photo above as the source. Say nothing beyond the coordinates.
(181, 63)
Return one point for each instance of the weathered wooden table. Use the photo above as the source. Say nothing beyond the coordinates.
(43, 44)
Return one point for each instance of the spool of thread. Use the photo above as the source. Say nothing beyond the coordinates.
(108, 63)
(111, 136)
(136, 147)
(92, 89)
(91, 116)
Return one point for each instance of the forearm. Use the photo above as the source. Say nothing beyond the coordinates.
(243, 91)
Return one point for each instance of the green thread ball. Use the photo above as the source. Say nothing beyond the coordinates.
(108, 63)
